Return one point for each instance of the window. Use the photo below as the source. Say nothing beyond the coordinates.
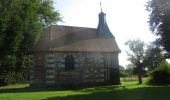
(69, 62)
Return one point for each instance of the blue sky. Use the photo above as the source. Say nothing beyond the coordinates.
(127, 19)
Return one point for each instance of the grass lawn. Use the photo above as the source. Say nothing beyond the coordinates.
(126, 91)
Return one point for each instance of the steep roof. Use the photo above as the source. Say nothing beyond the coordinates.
(69, 38)
(103, 29)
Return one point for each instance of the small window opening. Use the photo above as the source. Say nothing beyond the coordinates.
(69, 62)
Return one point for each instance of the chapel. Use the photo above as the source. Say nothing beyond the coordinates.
(75, 56)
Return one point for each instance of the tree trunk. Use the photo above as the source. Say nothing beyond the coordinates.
(139, 78)
(139, 72)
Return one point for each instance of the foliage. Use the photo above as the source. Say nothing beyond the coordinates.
(21, 22)
(130, 70)
(161, 75)
(136, 51)
(153, 56)
(142, 56)
(122, 71)
(13, 78)
(136, 55)
(159, 21)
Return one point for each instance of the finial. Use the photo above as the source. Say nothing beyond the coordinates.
(101, 5)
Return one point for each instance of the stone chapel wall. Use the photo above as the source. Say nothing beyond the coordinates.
(90, 69)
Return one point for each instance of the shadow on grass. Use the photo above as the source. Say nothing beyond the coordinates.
(143, 93)
(37, 89)
(23, 90)
(103, 93)
(44, 89)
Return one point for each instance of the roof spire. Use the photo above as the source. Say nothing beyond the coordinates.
(103, 29)
(101, 5)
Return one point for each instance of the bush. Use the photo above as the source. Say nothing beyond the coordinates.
(161, 75)
(13, 78)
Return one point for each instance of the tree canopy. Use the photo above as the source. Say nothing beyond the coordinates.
(143, 56)
(153, 56)
(21, 22)
(159, 21)
(136, 55)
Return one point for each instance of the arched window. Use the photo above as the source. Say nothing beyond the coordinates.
(69, 62)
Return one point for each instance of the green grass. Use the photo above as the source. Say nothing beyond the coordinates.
(126, 91)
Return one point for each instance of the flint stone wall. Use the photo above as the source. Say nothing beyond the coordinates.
(48, 69)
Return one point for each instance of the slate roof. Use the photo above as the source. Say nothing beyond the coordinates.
(103, 29)
(70, 38)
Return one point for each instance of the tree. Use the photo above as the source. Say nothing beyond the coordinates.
(159, 21)
(153, 56)
(130, 69)
(122, 71)
(136, 55)
(161, 74)
(21, 22)
(142, 56)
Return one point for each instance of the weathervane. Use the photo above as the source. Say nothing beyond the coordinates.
(101, 5)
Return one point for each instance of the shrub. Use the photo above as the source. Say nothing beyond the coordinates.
(13, 78)
(161, 75)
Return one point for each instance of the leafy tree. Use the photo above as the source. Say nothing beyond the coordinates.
(130, 69)
(21, 22)
(136, 55)
(159, 21)
(142, 56)
(153, 56)
(122, 71)
(161, 74)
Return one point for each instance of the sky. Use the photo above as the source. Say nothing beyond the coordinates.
(127, 19)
